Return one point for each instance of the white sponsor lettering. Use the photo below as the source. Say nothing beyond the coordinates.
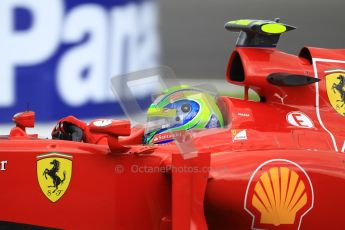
(113, 42)
(102, 123)
(28, 47)
(90, 57)
(299, 119)
(243, 114)
(3, 165)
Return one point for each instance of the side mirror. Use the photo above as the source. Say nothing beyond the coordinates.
(113, 129)
(24, 119)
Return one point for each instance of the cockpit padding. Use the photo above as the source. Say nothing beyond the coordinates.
(223, 106)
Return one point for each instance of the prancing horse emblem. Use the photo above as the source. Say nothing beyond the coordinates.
(335, 85)
(54, 172)
(339, 87)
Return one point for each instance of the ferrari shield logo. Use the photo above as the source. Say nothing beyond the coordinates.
(54, 172)
(335, 84)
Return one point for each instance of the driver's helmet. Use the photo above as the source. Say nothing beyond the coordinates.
(181, 108)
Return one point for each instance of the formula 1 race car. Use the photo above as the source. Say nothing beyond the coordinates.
(199, 160)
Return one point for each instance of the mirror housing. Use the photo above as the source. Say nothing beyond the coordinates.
(24, 119)
(112, 129)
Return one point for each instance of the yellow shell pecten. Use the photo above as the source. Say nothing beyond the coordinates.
(279, 195)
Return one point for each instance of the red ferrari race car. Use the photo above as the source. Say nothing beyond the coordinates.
(198, 160)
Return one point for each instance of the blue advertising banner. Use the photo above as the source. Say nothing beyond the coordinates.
(57, 56)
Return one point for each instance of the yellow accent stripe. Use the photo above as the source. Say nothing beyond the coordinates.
(161, 112)
(284, 172)
(261, 193)
(259, 206)
(275, 182)
(298, 193)
(175, 88)
(242, 22)
(300, 203)
(268, 187)
(292, 186)
(273, 28)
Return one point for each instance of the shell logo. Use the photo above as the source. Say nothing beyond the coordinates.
(279, 194)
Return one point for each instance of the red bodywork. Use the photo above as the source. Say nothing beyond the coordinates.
(279, 163)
